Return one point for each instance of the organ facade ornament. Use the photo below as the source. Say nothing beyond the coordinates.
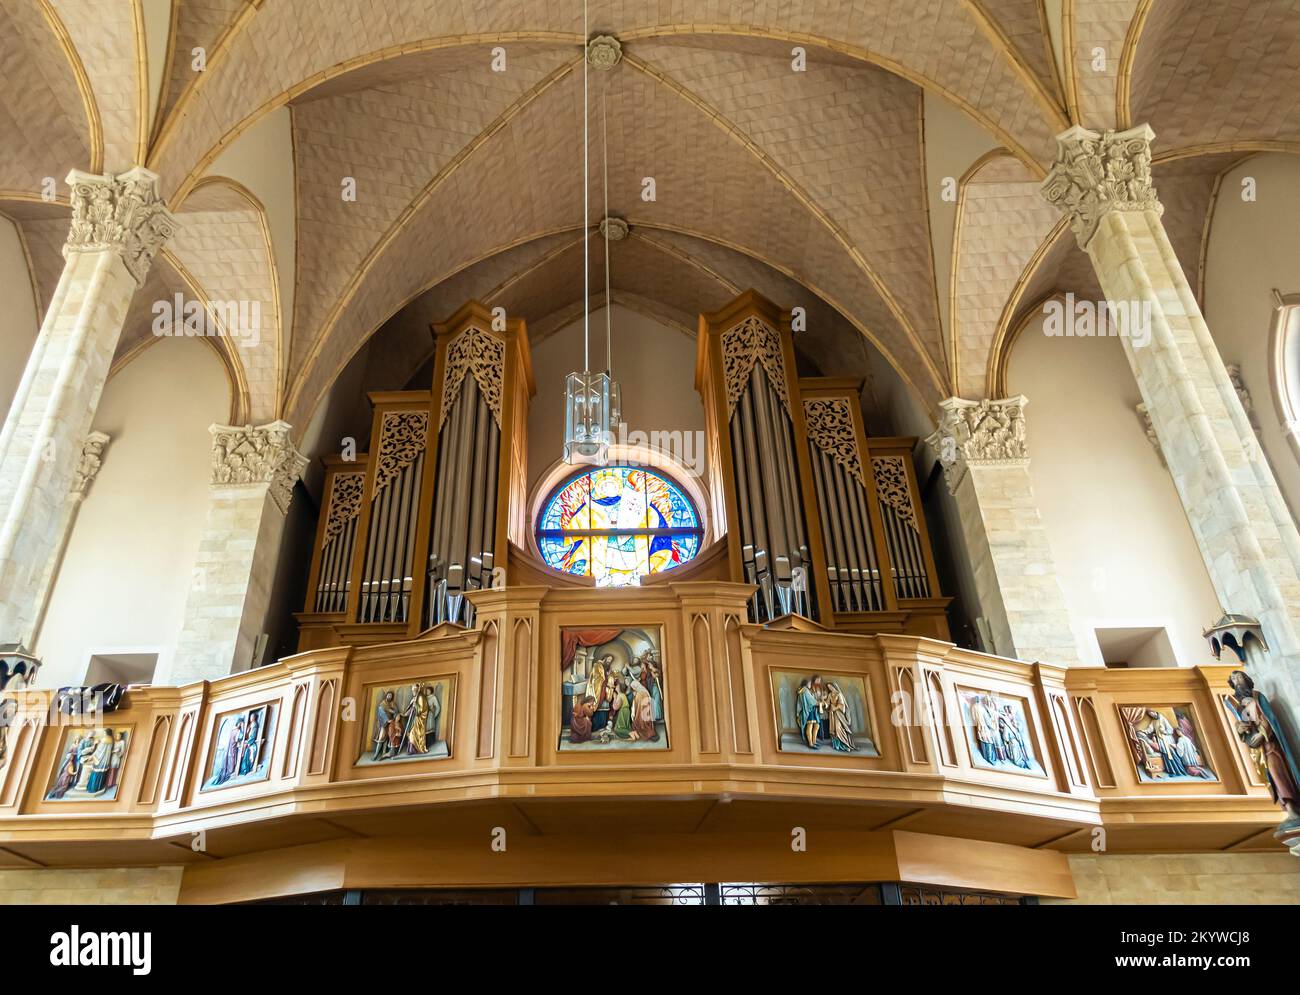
(123, 213)
(483, 356)
(831, 429)
(346, 490)
(92, 458)
(264, 454)
(1098, 173)
(980, 433)
(402, 439)
(892, 488)
(752, 341)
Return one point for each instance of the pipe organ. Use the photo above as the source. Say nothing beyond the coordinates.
(824, 522)
(745, 372)
(331, 577)
(389, 530)
(485, 381)
(430, 513)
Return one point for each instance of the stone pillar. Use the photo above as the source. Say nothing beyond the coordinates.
(981, 445)
(118, 224)
(92, 458)
(1246, 535)
(253, 473)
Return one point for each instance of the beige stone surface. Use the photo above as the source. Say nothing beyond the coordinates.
(91, 886)
(1184, 879)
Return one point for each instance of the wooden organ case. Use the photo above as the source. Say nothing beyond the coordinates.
(430, 512)
(825, 522)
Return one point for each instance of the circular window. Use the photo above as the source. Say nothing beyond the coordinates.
(617, 524)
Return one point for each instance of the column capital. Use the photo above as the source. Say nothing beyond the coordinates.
(1096, 173)
(262, 454)
(122, 212)
(92, 458)
(987, 433)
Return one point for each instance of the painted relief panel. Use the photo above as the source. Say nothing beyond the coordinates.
(822, 713)
(408, 721)
(612, 689)
(91, 762)
(1165, 744)
(241, 748)
(997, 733)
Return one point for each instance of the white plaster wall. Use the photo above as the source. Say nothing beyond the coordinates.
(654, 363)
(128, 565)
(18, 318)
(1121, 542)
(1254, 247)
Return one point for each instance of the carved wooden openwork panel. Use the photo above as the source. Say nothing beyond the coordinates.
(483, 357)
(402, 439)
(892, 488)
(346, 490)
(831, 429)
(752, 341)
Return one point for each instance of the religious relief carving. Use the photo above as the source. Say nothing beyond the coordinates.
(344, 502)
(483, 356)
(830, 429)
(92, 458)
(980, 433)
(123, 213)
(752, 341)
(257, 455)
(402, 436)
(892, 488)
(1097, 173)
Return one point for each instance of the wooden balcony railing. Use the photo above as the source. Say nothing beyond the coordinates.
(934, 737)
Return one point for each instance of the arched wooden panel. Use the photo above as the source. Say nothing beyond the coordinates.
(323, 726)
(707, 701)
(179, 757)
(913, 733)
(939, 716)
(739, 695)
(487, 692)
(293, 741)
(1069, 743)
(17, 770)
(521, 680)
(1103, 775)
(154, 759)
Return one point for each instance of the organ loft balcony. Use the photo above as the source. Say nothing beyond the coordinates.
(749, 670)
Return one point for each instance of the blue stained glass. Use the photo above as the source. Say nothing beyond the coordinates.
(617, 524)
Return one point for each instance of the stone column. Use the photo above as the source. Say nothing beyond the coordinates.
(92, 458)
(118, 224)
(253, 473)
(981, 446)
(1246, 535)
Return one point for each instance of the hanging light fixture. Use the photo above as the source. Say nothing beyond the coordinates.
(587, 395)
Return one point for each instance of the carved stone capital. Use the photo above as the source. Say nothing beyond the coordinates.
(979, 433)
(1098, 173)
(604, 52)
(257, 455)
(123, 213)
(92, 458)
